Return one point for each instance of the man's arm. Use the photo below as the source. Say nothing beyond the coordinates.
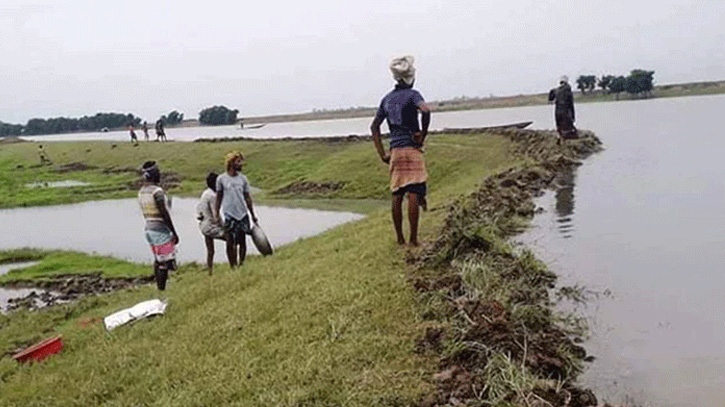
(248, 200)
(375, 130)
(424, 122)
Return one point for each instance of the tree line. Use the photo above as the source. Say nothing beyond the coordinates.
(97, 122)
(214, 115)
(217, 115)
(639, 82)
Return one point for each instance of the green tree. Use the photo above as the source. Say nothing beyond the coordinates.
(7, 129)
(640, 82)
(586, 83)
(581, 83)
(86, 123)
(617, 85)
(217, 115)
(174, 117)
(604, 82)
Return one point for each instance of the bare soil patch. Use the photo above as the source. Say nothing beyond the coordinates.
(73, 167)
(168, 180)
(69, 287)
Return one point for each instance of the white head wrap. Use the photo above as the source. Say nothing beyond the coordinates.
(403, 69)
(564, 79)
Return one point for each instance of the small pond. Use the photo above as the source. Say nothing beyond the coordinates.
(115, 228)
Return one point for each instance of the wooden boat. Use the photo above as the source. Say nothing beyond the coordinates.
(518, 125)
(252, 127)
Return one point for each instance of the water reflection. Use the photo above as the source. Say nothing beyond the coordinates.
(649, 228)
(564, 202)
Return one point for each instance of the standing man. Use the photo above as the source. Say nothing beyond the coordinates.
(132, 131)
(160, 134)
(563, 109)
(145, 131)
(233, 201)
(407, 165)
(159, 230)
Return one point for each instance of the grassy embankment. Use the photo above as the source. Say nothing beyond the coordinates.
(330, 320)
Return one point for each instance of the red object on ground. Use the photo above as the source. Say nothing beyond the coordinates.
(40, 350)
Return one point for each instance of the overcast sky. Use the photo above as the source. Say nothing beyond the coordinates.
(72, 58)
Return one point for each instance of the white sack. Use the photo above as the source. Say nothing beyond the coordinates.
(138, 311)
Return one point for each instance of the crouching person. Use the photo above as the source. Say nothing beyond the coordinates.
(206, 214)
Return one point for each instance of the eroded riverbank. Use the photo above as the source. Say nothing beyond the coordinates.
(496, 333)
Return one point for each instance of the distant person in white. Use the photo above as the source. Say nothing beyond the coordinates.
(207, 216)
(232, 202)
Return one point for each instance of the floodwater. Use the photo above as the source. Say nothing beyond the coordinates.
(115, 228)
(642, 224)
(326, 128)
(8, 293)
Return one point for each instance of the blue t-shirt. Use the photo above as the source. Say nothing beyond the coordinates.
(400, 108)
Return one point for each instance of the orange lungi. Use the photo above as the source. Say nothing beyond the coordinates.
(407, 167)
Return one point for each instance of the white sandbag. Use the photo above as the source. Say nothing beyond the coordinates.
(139, 311)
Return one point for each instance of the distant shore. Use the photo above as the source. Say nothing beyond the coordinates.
(475, 103)
(493, 102)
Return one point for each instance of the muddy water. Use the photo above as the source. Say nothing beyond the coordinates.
(115, 228)
(643, 224)
(8, 293)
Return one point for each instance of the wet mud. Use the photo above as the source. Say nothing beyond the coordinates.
(121, 170)
(68, 287)
(495, 332)
(73, 167)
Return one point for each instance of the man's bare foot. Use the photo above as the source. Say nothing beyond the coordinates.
(413, 244)
(401, 242)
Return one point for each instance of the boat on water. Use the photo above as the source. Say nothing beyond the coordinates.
(252, 127)
(517, 125)
(104, 130)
